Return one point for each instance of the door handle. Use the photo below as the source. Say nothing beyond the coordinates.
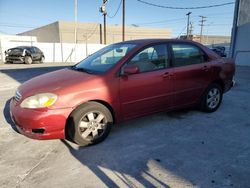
(205, 68)
(167, 75)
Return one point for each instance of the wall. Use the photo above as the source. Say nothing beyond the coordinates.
(241, 37)
(47, 33)
(63, 31)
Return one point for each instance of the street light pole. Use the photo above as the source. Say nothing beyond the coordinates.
(188, 14)
(104, 13)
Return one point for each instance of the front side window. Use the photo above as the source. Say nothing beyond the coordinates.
(104, 59)
(151, 58)
(33, 50)
(186, 54)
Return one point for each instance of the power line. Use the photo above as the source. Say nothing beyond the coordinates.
(162, 21)
(94, 30)
(119, 6)
(199, 7)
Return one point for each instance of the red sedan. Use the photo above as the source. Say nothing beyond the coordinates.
(120, 82)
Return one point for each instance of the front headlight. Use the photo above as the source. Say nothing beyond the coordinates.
(41, 100)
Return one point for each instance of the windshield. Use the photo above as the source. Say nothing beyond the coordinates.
(104, 59)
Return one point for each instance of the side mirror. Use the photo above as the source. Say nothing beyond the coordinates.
(130, 69)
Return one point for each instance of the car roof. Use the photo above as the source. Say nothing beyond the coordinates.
(145, 42)
(23, 47)
(150, 41)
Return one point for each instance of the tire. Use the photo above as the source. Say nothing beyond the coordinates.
(212, 98)
(42, 59)
(27, 60)
(89, 124)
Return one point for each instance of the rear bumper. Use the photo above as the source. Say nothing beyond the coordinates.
(41, 125)
(228, 85)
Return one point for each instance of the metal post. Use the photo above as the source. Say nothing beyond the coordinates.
(123, 20)
(100, 33)
(188, 14)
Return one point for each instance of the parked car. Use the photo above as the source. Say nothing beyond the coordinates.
(119, 82)
(24, 54)
(220, 50)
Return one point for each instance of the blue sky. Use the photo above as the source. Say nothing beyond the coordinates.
(18, 16)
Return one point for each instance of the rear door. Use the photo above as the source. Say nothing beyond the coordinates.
(35, 53)
(191, 73)
(150, 90)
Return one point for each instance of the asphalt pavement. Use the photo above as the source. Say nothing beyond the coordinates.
(186, 148)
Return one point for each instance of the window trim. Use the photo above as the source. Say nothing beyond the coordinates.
(167, 58)
(185, 43)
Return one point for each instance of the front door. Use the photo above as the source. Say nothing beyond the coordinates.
(151, 89)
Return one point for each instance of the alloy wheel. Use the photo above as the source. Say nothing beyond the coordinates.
(213, 98)
(92, 125)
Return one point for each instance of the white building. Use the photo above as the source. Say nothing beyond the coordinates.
(240, 49)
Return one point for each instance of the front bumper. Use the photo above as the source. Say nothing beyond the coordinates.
(14, 59)
(42, 125)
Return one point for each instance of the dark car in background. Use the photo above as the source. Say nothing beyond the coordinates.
(220, 50)
(24, 54)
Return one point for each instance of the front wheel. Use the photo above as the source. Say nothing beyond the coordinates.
(212, 98)
(27, 60)
(89, 124)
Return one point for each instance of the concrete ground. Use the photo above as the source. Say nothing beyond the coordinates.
(177, 149)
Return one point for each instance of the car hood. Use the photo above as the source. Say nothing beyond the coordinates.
(14, 51)
(55, 82)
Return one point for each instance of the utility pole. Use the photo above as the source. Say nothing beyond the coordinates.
(76, 7)
(100, 33)
(202, 24)
(75, 22)
(188, 14)
(191, 31)
(123, 20)
(104, 13)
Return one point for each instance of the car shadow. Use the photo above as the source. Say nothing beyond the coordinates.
(96, 159)
(23, 74)
(131, 151)
(7, 115)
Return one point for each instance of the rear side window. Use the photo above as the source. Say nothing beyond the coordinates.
(37, 50)
(186, 54)
(151, 58)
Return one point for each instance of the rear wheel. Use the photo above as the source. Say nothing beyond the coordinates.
(42, 59)
(27, 60)
(212, 98)
(89, 124)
